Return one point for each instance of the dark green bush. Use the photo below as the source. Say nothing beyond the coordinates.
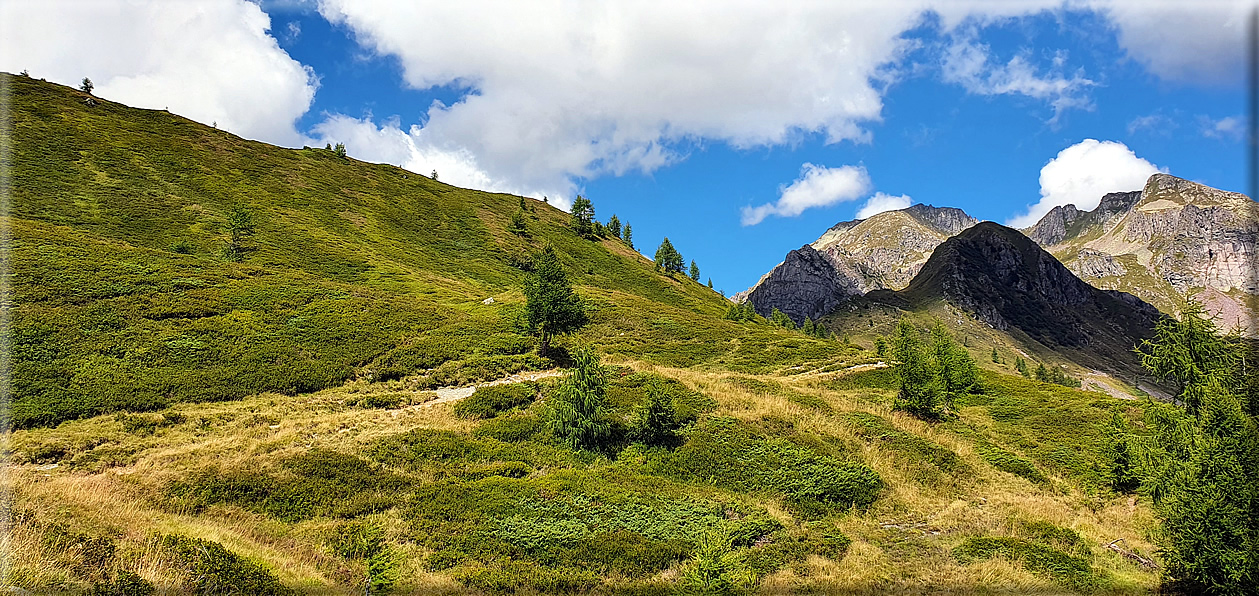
(488, 402)
(912, 447)
(212, 569)
(727, 453)
(316, 483)
(386, 401)
(124, 583)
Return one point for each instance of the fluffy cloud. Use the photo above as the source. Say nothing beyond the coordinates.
(212, 61)
(588, 89)
(413, 150)
(1082, 173)
(881, 202)
(817, 186)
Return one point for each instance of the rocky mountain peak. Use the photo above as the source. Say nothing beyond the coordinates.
(949, 220)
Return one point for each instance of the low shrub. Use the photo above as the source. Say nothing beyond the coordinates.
(317, 483)
(511, 427)
(1073, 573)
(912, 447)
(727, 453)
(488, 402)
(209, 568)
(124, 583)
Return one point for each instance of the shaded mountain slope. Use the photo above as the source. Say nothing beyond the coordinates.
(1007, 281)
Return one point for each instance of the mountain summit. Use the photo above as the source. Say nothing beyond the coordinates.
(1006, 280)
(883, 251)
(1171, 241)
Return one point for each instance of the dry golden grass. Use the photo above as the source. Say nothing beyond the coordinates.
(116, 496)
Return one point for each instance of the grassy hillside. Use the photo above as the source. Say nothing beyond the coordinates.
(282, 425)
(124, 302)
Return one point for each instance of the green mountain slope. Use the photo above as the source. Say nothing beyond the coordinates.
(356, 269)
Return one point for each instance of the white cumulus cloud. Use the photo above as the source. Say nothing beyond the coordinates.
(1082, 173)
(563, 91)
(881, 202)
(212, 61)
(817, 186)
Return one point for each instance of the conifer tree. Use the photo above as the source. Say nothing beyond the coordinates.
(517, 225)
(917, 375)
(710, 283)
(781, 319)
(582, 216)
(614, 226)
(1201, 467)
(694, 271)
(86, 86)
(996, 358)
(551, 306)
(656, 420)
(880, 345)
(668, 258)
(577, 409)
(240, 228)
(958, 372)
(629, 236)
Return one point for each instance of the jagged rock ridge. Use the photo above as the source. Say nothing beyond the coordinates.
(1172, 240)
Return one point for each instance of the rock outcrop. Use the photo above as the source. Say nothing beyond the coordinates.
(805, 285)
(1172, 240)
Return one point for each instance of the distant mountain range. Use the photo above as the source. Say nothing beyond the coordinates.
(1172, 240)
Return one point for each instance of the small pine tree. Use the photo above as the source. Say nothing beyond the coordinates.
(240, 228)
(86, 86)
(917, 375)
(577, 411)
(668, 258)
(629, 236)
(339, 149)
(958, 372)
(656, 420)
(694, 271)
(1118, 451)
(614, 226)
(517, 225)
(551, 306)
(1021, 365)
(582, 216)
(781, 319)
(710, 283)
(880, 345)
(996, 358)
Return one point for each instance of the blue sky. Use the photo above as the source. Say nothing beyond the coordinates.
(685, 120)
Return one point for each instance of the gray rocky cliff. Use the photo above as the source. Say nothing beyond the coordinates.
(805, 285)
